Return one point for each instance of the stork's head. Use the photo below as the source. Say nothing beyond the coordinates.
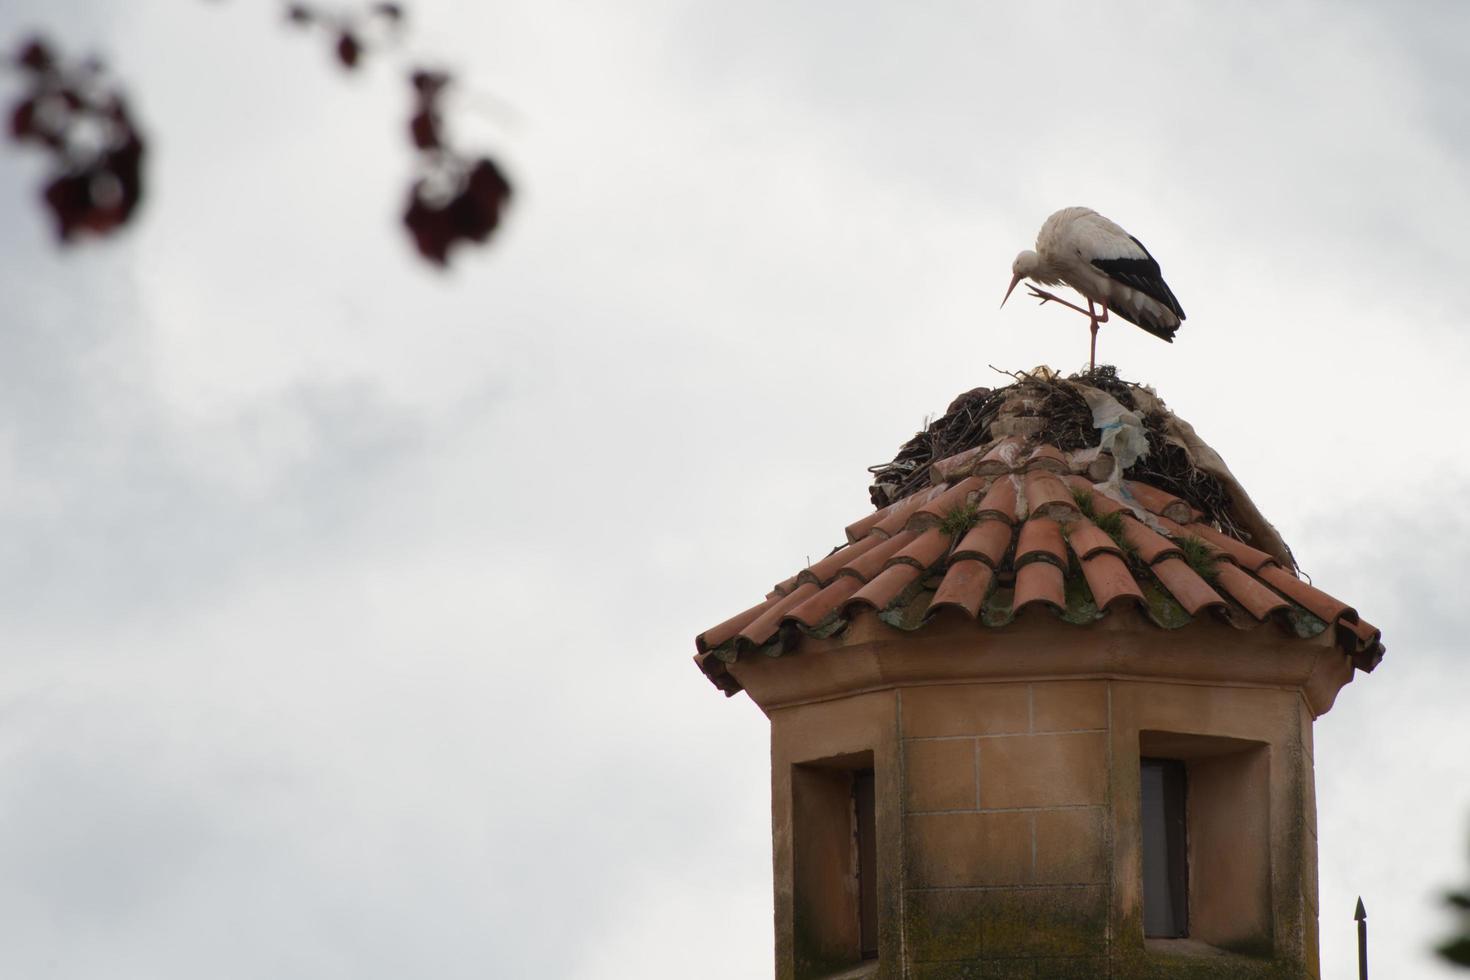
(1025, 265)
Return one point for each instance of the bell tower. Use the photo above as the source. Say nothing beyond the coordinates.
(1048, 711)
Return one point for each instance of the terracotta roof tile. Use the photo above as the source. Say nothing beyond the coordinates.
(1317, 602)
(1161, 502)
(1110, 580)
(1000, 500)
(1087, 539)
(1041, 537)
(904, 507)
(764, 627)
(989, 541)
(1258, 600)
(1151, 545)
(899, 563)
(1364, 643)
(925, 550)
(822, 571)
(1048, 496)
(1251, 559)
(958, 465)
(1186, 586)
(1102, 504)
(817, 609)
(731, 627)
(964, 587)
(955, 497)
(871, 562)
(1040, 581)
(1001, 458)
(1046, 457)
(785, 585)
(889, 585)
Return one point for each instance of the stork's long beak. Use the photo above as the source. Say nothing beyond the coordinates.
(1014, 279)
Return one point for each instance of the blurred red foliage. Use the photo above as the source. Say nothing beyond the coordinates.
(74, 115)
(95, 186)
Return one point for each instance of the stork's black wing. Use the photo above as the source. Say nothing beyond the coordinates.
(1143, 275)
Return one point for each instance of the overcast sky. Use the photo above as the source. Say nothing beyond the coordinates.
(346, 607)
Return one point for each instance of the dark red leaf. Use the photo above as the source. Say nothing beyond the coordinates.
(70, 199)
(71, 97)
(428, 83)
(425, 130)
(433, 231)
(477, 208)
(488, 185)
(23, 120)
(35, 55)
(348, 50)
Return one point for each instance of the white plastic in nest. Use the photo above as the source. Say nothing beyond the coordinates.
(1123, 436)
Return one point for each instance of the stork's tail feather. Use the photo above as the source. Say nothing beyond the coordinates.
(1160, 331)
(1145, 320)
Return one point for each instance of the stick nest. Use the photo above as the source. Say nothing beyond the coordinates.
(1066, 422)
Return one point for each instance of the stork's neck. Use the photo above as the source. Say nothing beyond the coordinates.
(1044, 273)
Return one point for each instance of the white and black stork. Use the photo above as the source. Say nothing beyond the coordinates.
(1108, 266)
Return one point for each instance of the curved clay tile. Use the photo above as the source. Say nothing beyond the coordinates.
(1251, 559)
(1258, 600)
(956, 496)
(1313, 599)
(822, 571)
(784, 586)
(764, 627)
(906, 508)
(925, 550)
(1366, 633)
(964, 587)
(880, 593)
(1110, 581)
(819, 607)
(1048, 496)
(1087, 539)
(1186, 586)
(1363, 643)
(1041, 537)
(1102, 504)
(1000, 500)
(960, 464)
(1161, 502)
(1046, 457)
(871, 562)
(727, 630)
(1151, 545)
(989, 541)
(1040, 581)
(1001, 457)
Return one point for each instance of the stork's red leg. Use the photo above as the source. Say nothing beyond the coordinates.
(1093, 324)
(1046, 297)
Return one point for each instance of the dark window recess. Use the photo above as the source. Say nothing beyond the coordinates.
(865, 830)
(834, 854)
(1165, 850)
